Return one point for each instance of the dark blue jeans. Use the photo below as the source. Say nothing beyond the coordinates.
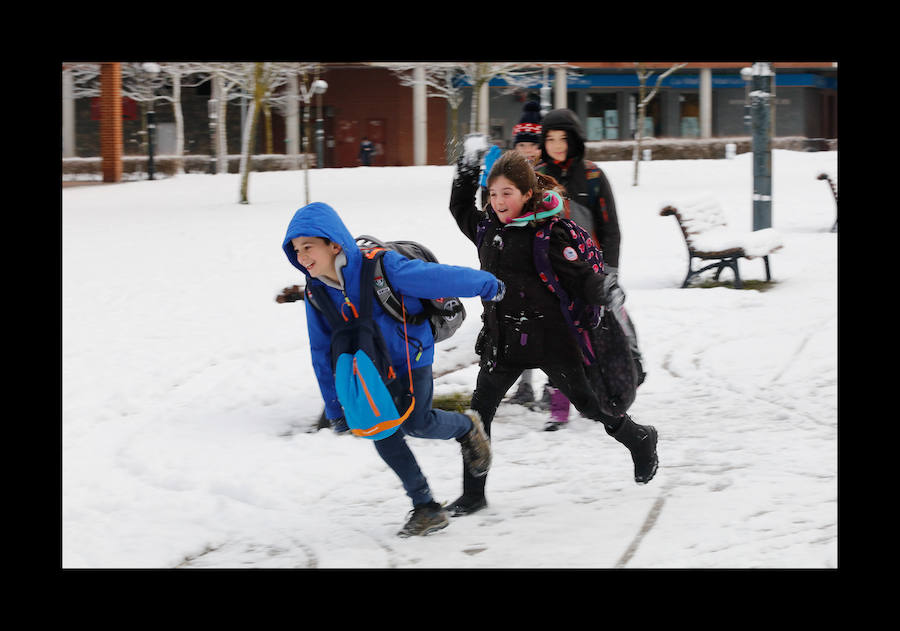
(423, 422)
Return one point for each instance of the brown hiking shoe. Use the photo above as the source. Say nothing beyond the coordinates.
(425, 519)
(476, 447)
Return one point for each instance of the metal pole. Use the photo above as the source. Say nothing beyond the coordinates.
(545, 93)
(320, 133)
(151, 129)
(760, 113)
(213, 111)
(303, 134)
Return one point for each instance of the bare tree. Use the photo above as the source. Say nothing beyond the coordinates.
(644, 97)
(279, 99)
(440, 82)
(85, 79)
(259, 80)
(226, 80)
(175, 74)
(515, 74)
(143, 82)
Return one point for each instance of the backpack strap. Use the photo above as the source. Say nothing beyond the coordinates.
(479, 232)
(319, 299)
(385, 291)
(573, 311)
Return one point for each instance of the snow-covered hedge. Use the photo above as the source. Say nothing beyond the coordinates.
(79, 168)
(660, 148)
(697, 149)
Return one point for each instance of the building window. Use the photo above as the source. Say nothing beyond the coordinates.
(602, 117)
(652, 117)
(689, 109)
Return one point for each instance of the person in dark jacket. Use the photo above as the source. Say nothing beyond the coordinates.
(592, 206)
(366, 151)
(527, 141)
(318, 244)
(527, 329)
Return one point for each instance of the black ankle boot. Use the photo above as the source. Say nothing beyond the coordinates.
(472, 498)
(641, 442)
(466, 505)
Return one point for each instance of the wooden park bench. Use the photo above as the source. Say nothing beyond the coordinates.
(832, 182)
(709, 239)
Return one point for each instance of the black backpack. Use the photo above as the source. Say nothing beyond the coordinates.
(445, 315)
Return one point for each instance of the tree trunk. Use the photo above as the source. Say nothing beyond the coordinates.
(221, 129)
(249, 140)
(179, 124)
(247, 149)
(267, 112)
(639, 134)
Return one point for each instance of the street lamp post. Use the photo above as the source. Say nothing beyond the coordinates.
(316, 87)
(319, 87)
(545, 95)
(213, 106)
(152, 69)
(760, 95)
(151, 131)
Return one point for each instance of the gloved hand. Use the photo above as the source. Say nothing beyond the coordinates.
(494, 294)
(339, 425)
(614, 295)
(468, 166)
(466, 171)
(290, 294)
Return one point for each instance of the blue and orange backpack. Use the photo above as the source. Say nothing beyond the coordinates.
(366, 382)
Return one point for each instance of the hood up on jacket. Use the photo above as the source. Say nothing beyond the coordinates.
(320, 220)
(566, 120)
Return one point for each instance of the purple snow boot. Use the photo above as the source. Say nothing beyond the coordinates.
(559, 410)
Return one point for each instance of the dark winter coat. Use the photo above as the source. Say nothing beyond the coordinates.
(526, 328)
(585, 183)
(366, 150)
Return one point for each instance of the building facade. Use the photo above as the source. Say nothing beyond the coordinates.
(605, 97)
(367, 101)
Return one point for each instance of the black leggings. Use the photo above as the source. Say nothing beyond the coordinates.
(493, 385)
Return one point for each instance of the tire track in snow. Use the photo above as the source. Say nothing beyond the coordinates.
(649, 522)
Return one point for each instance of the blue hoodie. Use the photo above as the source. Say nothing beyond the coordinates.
(412, 278)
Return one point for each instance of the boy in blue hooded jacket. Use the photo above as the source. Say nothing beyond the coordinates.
(319, 244)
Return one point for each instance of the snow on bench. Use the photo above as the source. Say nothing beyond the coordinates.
(709, 238)
(833, 183)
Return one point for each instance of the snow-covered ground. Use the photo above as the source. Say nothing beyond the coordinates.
(188, 391)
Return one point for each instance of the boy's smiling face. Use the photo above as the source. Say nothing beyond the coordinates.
(316, 255)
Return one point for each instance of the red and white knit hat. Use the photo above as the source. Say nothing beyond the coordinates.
(528, 129)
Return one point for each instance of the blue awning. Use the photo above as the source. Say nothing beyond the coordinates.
(682, 81)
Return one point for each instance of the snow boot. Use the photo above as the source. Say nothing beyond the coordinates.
(524, 394)
(641, 442)
(543, 404)
(466, 505)
(476, 447)
(425, 519)
(559, 410)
